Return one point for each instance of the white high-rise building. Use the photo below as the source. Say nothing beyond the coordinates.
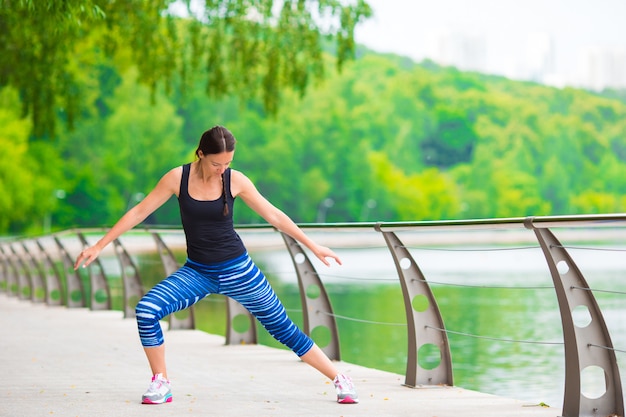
(599, 67)
(466, 52)
(539, 64)
(603, 67)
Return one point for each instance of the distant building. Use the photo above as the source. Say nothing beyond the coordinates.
(602, 67)
(466, 52)
(599, 67)
(540, 57)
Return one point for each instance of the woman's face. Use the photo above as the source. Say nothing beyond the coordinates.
(216, 163)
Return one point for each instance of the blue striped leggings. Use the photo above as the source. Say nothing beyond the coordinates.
(239, 279)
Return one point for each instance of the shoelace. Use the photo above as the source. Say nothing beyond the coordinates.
(156, 384)
(343, 383)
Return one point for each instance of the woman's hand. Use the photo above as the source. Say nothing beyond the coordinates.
(323, 253)
(86, 257)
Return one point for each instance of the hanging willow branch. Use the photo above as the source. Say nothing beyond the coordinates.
(246, 48)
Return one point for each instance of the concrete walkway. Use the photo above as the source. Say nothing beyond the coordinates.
(65, 362)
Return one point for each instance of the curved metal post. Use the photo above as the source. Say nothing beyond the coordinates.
(133, 289)
(14, 277)
(170, 265)
(317, 311)
(54, 289)
(423, 318)
(75, 292)
(37, 279)
(24, 282)
(587, 344)
(4, 271)
(100, 293)
(8, 271)
(238, 316)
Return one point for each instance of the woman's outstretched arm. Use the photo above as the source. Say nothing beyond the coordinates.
(244, 188)
(167, 185)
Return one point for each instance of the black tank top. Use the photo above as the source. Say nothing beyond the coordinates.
(210, 235)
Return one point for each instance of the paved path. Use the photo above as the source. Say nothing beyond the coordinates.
(64, 362)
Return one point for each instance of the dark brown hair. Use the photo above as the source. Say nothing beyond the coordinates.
(216, 140)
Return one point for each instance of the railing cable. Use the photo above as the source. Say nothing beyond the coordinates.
(468, 249)
(359, 278)
(494, 338)
(441, 283)
(606, 347)
(359, 320)
(598, 290)
(588, 248)
(505, 287)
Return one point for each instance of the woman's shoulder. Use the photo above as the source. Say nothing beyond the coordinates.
(170, 182)
(173, 176)
(238, 182)
(175, 172)
(238, 176)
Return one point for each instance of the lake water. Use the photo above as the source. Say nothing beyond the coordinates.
(497, 302)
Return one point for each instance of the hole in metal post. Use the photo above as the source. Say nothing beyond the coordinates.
(562, 267)
(581, 316)
(299, 258)
(593, 382)
(241, 323)
(313, 291)
(405, 263)
(420, 303)
(429, 356)
(321, 335)
(100, 296)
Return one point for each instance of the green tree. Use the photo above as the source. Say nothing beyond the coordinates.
(246, 47)
(453, 140)
(126, 154)
(16, 189)
(428, 195)
(594, 202)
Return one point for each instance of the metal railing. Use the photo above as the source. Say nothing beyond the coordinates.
(41, 269)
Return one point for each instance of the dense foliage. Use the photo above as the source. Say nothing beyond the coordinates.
(385, 139)
(248, 48)
(61, 61)
(429, 143)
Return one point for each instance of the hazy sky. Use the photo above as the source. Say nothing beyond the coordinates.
(404, 26)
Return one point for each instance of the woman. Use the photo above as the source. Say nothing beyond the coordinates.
(217, 261)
